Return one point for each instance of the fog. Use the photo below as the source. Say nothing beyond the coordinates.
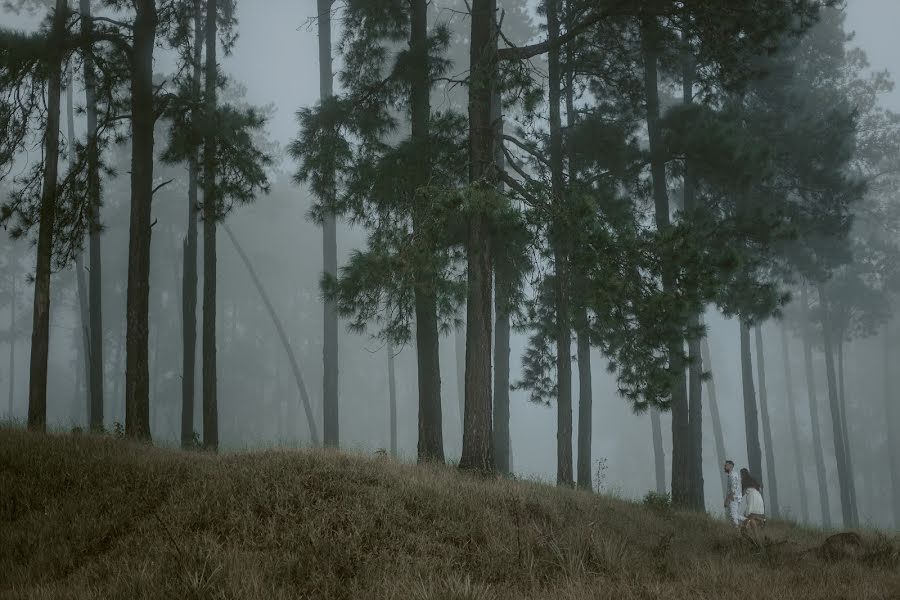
(276, 59)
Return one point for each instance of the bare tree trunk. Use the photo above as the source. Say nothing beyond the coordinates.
(189, 269)
(95, 276)
(210, 216)
(503, 329)
(771, 484)
(459, 338)
(501, 375)
(330, 423)
(137, 376)
(298, 377)
(795, 433)
(558, 233)
(845, 434)
(824, 504)
(12, 345)
(40, 337)
(751, 415)
(844, 482)
(585, 404)
(477, 451)
(695, 366)
(891, 416)
(658, 452)
(79, 262)
(431, 436)
(681, 434)
(392, 399)
(714, 412)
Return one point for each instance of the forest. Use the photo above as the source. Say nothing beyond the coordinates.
(608, 244)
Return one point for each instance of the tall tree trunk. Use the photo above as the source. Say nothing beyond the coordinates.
(137, 376)
(582, 326)
(695, 365)
(459, 347)
(12, 345)
(431, 437)
(40, 337)
(95, 276)
(751, 416)
(845, 434)
(824, 503)
(502, 327)
(501, 373)
(392, 399)
(79, 262)
(189, 269)
(477, 451)
(279, 328)
(210, 209)
(714, 411)
(659, 454)
(330, 423)
(681, 434)
(558, 234)
(891, 417)
(844, 482)
(771, 483)
(795, 430)
(585, 403)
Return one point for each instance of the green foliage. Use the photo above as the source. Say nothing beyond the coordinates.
(661, 503)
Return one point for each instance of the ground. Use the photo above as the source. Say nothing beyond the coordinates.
(96, 517)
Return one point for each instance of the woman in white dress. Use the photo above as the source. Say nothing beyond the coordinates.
(754, 507)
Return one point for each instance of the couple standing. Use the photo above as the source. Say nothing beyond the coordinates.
(743, 489)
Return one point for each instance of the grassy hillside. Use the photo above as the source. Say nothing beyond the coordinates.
(86, 517)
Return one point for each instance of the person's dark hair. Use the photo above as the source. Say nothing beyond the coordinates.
(747, 481)
(729, 462)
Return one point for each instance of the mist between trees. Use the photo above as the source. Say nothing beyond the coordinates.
(609, 244)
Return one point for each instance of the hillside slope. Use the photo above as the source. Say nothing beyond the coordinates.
(89, 517)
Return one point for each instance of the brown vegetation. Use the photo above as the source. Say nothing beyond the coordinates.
(95, 517)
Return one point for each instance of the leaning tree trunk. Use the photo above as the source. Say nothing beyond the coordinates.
(795, 431)
(814, 410)
(189, 269)
(330, 422)
(714, 411)
(771, 484)
(695, 367)
(845, 433)
(210, 206)
(751, 416)
(282, 336)
(558, 234)
(659, 455)
(891, 416)
(392, 399)
(40, 337)
(79, 262)
(844, 482)
(477, 450)
(95, 276)
(431, 437)
(681, 434)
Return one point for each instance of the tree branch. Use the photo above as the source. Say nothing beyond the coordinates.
(518, 188)
(531, 151)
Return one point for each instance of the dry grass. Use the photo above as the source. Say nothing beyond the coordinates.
(88, 517)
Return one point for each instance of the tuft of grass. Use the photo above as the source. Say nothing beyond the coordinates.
(93, 516)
